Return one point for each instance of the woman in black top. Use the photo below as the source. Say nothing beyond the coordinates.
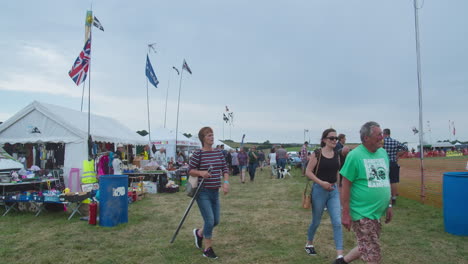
(325, 193)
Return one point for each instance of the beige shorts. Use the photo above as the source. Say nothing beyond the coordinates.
(368, 237)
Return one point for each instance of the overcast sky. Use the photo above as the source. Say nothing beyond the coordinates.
(280, 66)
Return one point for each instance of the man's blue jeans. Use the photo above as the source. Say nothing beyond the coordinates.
(281, 163)
(208, 203)
(320, 199)
(252, 169)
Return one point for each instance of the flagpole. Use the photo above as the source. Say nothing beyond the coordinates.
(421, 133)
(178, 104)
(89, 97)
(147, 105)
(82, 96)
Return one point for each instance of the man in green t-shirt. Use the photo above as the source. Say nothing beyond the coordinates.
(365, 194)
(253, 162)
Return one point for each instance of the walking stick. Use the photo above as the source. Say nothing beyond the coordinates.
(188, 208)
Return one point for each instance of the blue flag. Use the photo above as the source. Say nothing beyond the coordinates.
(150, 73)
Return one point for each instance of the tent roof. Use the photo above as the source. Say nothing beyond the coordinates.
(7, 162)
(73, 126)
(164, 136)
(442, 145)
(219, 142)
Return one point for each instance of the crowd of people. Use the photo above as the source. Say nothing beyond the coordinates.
(356, 187)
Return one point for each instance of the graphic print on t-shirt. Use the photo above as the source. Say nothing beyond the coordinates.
(376, 172)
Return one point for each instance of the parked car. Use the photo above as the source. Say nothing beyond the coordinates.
(294, 160)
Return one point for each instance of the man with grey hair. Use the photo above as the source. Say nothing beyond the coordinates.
(160, 157)
(365, 194)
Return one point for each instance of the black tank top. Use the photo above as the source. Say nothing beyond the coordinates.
(328, 168)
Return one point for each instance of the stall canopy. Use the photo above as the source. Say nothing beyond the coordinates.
(163, 137)
(442, 145)
(219, 142)
(45, 123)
(7, 162)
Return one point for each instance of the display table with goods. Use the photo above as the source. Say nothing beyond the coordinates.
(37, 202)
(33, 178)
(32, 183)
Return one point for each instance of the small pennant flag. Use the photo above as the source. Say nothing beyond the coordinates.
(97, 24)
(186, 67)
(150, 73)
(79, 70)
(177, 70)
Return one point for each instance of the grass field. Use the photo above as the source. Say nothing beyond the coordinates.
(261, 222)
(434, 169)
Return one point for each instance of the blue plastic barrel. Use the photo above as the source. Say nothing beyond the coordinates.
(113, 201)
(455, 203)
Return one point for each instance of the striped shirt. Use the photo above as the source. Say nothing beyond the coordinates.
(203, 160)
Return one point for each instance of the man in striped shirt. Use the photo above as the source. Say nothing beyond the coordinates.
(394, 150)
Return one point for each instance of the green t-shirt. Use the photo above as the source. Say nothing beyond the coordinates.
(370, 190)
(252, 159)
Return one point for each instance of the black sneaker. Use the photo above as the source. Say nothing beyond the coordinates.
(198, 240)
(209, 253)
(310, 250)
(340, 261)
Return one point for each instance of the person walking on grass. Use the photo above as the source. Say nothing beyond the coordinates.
(325, 191)
(394, 150)
(253, 162)
(365, 194)
(261, 159)
(234, 162)
(281, 157)
(243, 161)
(304, 157)
(343, 151)
(272, 160)
(208, 196)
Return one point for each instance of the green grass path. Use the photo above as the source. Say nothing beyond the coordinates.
(261, 222)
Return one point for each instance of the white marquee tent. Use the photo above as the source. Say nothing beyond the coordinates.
(163, 137)
(46, 123)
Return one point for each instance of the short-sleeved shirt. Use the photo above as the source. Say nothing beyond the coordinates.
(272, 157)
(203, 160)
(281, 154)
(234, 159)
(304, 155)
(242, 158)
(252, 158)
(392, 147)
(370, 190)
(261, 156)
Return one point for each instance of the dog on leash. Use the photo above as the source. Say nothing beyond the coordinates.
(282, 173)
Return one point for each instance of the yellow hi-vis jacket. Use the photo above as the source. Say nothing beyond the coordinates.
(89, 175)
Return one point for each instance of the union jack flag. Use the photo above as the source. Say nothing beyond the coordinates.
(79, 70)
